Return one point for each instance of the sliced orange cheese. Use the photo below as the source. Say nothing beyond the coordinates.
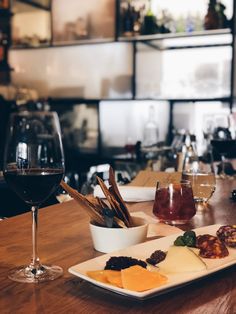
(114, 278)
(137, 278)
(98, 275)
(107, 276)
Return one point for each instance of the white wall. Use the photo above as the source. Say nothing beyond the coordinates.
(100, 16)
(196, 73)
(123, 122)
(31, 23)
(149, 72)
(90, 71)
(104, 71)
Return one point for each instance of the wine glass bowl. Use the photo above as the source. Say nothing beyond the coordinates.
(33, 168)
(203, 184)
(201, 175)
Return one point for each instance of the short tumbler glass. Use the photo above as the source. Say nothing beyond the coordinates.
(174, 203)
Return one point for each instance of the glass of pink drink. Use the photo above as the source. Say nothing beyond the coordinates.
(174, 203)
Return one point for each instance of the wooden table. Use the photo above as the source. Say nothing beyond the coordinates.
(64, 240)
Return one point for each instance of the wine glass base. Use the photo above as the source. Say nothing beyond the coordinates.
(27, 274)
(175, 222)
(201, 205)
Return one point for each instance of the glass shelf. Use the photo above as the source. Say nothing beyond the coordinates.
(81, 42)
(176, 35)
(22, 47)
(88, 41)
(214, 38)
(218, 37)
(173, 100)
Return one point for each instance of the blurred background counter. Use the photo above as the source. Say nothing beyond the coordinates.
(131, 81)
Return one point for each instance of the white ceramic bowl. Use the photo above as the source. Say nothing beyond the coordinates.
(111, 239)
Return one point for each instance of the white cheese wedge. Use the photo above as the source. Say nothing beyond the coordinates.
(181, 259)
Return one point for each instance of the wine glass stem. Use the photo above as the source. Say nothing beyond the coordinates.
(35, 263)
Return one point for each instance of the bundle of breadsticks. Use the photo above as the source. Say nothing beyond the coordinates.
(94, 206)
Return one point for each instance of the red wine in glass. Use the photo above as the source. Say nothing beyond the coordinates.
(34, 186)
(174, 203)
(33, 168)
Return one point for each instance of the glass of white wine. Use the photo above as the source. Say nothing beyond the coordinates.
(203, 181)
(203, 185)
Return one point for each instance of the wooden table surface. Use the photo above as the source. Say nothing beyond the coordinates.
(64, 240)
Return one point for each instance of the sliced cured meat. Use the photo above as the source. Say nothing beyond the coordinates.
(227, 234)
(211, 247)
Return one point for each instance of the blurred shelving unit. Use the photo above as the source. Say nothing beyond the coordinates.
(170, 68)
(31, 23)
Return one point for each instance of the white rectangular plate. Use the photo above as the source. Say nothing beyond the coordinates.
(143, 251)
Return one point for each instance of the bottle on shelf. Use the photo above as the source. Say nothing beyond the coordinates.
(128, 20)
(138, 16)
(166, 24)
(180, 24)
(223, 21)
(150, 129)
(149, 25)
(211, 20)
(81, 29)
(198, 22)
(189, 25)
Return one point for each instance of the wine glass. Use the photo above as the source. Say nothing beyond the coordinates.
(202, 178)
(203, 185)
(33, 168)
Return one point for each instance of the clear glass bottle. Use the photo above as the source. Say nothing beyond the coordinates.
(150, 129)
(191, 161)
